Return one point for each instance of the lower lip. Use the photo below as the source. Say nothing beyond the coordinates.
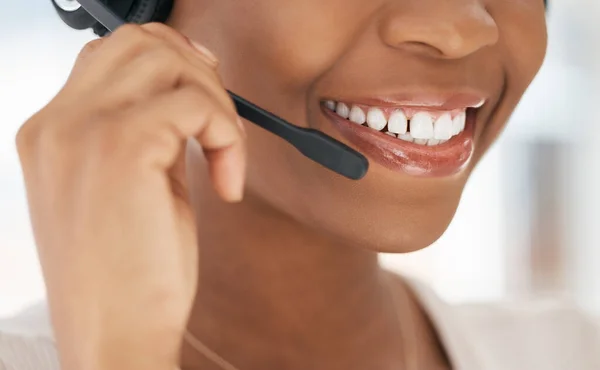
(413, 159)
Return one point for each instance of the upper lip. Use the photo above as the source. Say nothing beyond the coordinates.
(426, 100)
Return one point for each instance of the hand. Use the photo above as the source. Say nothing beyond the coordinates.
(104, 170)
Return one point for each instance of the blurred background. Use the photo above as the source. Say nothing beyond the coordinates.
(529, 222)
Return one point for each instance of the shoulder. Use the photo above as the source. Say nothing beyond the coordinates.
(549, 334)
(26, 341)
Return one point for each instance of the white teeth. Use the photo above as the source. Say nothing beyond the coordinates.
(375, 119)
(406, 137)
(421, 126)
(424, 129)
(357, 115)
(458, 123)
(398, 122)
(343, 110)
(442, 128)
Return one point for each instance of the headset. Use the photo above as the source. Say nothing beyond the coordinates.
(105, 16)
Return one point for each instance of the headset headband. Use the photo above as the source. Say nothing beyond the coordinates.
(74, 13)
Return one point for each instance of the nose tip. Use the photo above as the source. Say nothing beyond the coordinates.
(445, 29)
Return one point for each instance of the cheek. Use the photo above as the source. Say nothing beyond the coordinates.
(521, 52)
(291, 43)
(524, 43)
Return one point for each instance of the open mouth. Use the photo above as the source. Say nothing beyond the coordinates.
(417, 139)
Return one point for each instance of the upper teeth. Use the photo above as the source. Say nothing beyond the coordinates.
(422, 128)
(398, 123)
(375, 119)
(357, 115)
(342, 109)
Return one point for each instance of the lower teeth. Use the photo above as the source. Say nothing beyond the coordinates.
(408, 137)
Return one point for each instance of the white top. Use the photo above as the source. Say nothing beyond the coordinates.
(533, 336)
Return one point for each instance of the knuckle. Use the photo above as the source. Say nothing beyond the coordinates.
(49, 135)
(156, 27)
(133, 37)
(129, 31)
(45, 142)
(26, 135)
(89, 48)
(39, 135)
(151, 145)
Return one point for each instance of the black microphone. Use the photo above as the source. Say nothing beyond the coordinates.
(314, 144)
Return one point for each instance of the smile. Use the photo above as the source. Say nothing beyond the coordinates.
(416, 138)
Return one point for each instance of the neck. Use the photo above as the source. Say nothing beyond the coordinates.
(269, 285)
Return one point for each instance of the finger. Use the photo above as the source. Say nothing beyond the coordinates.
(195, 53)
(85, 57)
(157, 70)
(136, 62)
(226, 171)
(186, 45)
(127, 42)
(156, 131)
(100, 58)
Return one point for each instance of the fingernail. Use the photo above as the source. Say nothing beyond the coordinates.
(204, 51)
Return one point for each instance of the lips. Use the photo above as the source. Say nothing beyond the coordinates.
(444, 132)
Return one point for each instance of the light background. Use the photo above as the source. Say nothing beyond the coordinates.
(528, 222)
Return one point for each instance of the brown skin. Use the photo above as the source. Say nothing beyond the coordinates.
(288, 278)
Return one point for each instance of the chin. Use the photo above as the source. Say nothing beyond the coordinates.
(404, 239)
(404, 226)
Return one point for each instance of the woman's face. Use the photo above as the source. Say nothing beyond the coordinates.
(429, 62)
